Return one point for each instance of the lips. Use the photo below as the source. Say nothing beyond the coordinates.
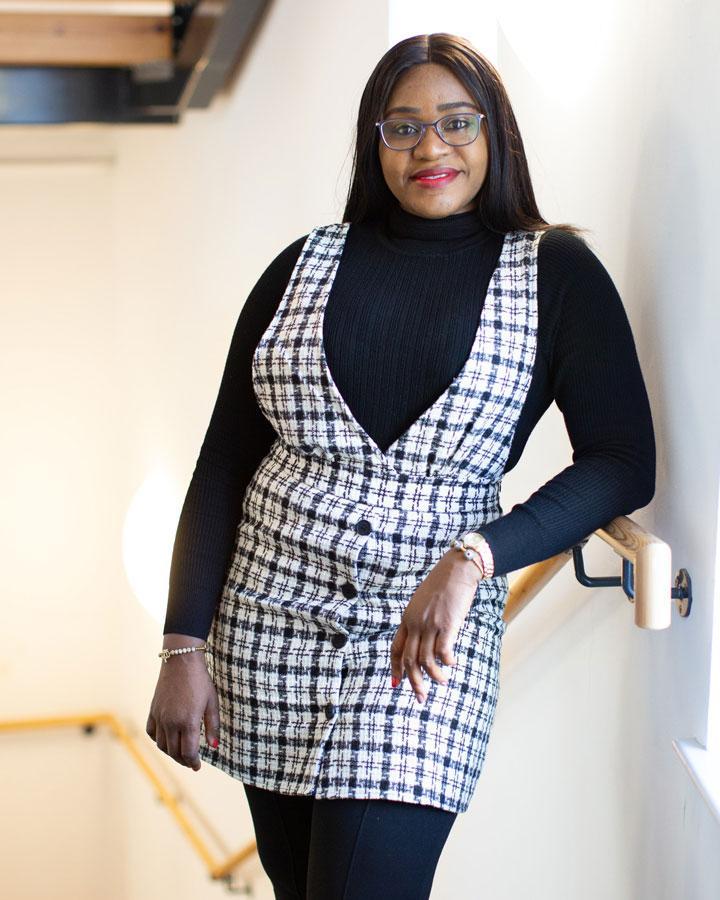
(435, 176)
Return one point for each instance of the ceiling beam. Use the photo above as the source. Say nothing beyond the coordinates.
(90, 38)
(123, 68)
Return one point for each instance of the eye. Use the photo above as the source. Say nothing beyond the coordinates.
(457, 123)
(402, 127)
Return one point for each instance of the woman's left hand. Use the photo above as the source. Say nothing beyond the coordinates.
(432, 620)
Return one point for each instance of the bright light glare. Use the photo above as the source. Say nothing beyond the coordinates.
(147, 540)
(564, 46)
(560, 46)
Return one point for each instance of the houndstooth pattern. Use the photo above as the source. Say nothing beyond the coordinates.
(335, 536)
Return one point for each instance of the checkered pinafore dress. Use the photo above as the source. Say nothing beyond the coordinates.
(335, 536)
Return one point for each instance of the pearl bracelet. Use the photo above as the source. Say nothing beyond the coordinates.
(166, 654)
(469, 553)
(472, 545)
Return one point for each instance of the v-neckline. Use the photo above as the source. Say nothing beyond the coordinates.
(427, 413)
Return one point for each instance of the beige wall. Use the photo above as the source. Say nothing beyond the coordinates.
(121, 282)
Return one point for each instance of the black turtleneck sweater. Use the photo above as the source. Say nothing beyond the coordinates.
(400, 322)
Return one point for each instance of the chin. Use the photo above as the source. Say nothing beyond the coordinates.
(444, 209)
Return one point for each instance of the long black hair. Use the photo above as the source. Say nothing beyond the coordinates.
(506, 200)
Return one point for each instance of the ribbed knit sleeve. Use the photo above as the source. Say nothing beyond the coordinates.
(597, 384)
(237, 438)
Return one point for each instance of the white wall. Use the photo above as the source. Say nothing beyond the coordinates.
(583, 794)
(59, 483)
(122, 279)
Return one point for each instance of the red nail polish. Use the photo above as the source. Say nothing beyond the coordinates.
(395, 681)
(214, 742)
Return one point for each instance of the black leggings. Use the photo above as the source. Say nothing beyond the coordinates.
(347, 849)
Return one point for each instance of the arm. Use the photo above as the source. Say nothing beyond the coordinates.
(237, 439)
(598, 386)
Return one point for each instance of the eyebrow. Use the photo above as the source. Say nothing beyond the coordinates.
(440, 106)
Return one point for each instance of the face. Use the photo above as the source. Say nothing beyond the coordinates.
(422, 92)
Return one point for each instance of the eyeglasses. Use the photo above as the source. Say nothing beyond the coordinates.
(456, 129)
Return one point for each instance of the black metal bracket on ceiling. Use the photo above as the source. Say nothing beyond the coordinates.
(682, 592)
(209, 39)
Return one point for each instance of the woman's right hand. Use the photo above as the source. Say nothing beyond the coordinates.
(184, 697)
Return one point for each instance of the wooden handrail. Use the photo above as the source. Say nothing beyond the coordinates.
(531, 580)
(650, 557)
(652, 560)
(217, 869)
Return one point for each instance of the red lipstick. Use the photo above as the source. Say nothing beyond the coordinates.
(434, 177)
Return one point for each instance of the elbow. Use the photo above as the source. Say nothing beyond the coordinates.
(643, 481)
(638, 457)
(646, 491)
(632, 469)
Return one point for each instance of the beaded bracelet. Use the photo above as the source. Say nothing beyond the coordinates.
(469, 553)
(166, 654)
(482, 551)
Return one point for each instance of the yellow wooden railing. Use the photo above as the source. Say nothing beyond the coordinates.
(652, 584)
(218, 868)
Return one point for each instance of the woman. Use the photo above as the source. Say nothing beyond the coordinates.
(384, 374)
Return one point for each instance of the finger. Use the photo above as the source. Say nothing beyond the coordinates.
(444, 645)
(150, 726)
(189, 746)
(160, 739)
(396, 652)
(426, 655)
(412, 665)
(172, 743)
(212, 720)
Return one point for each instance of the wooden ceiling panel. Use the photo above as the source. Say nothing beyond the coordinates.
(122, 61)
(52, 40)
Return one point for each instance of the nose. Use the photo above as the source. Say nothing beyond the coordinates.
(431, 142)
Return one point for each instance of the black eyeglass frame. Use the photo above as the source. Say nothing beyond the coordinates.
(425, 125)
